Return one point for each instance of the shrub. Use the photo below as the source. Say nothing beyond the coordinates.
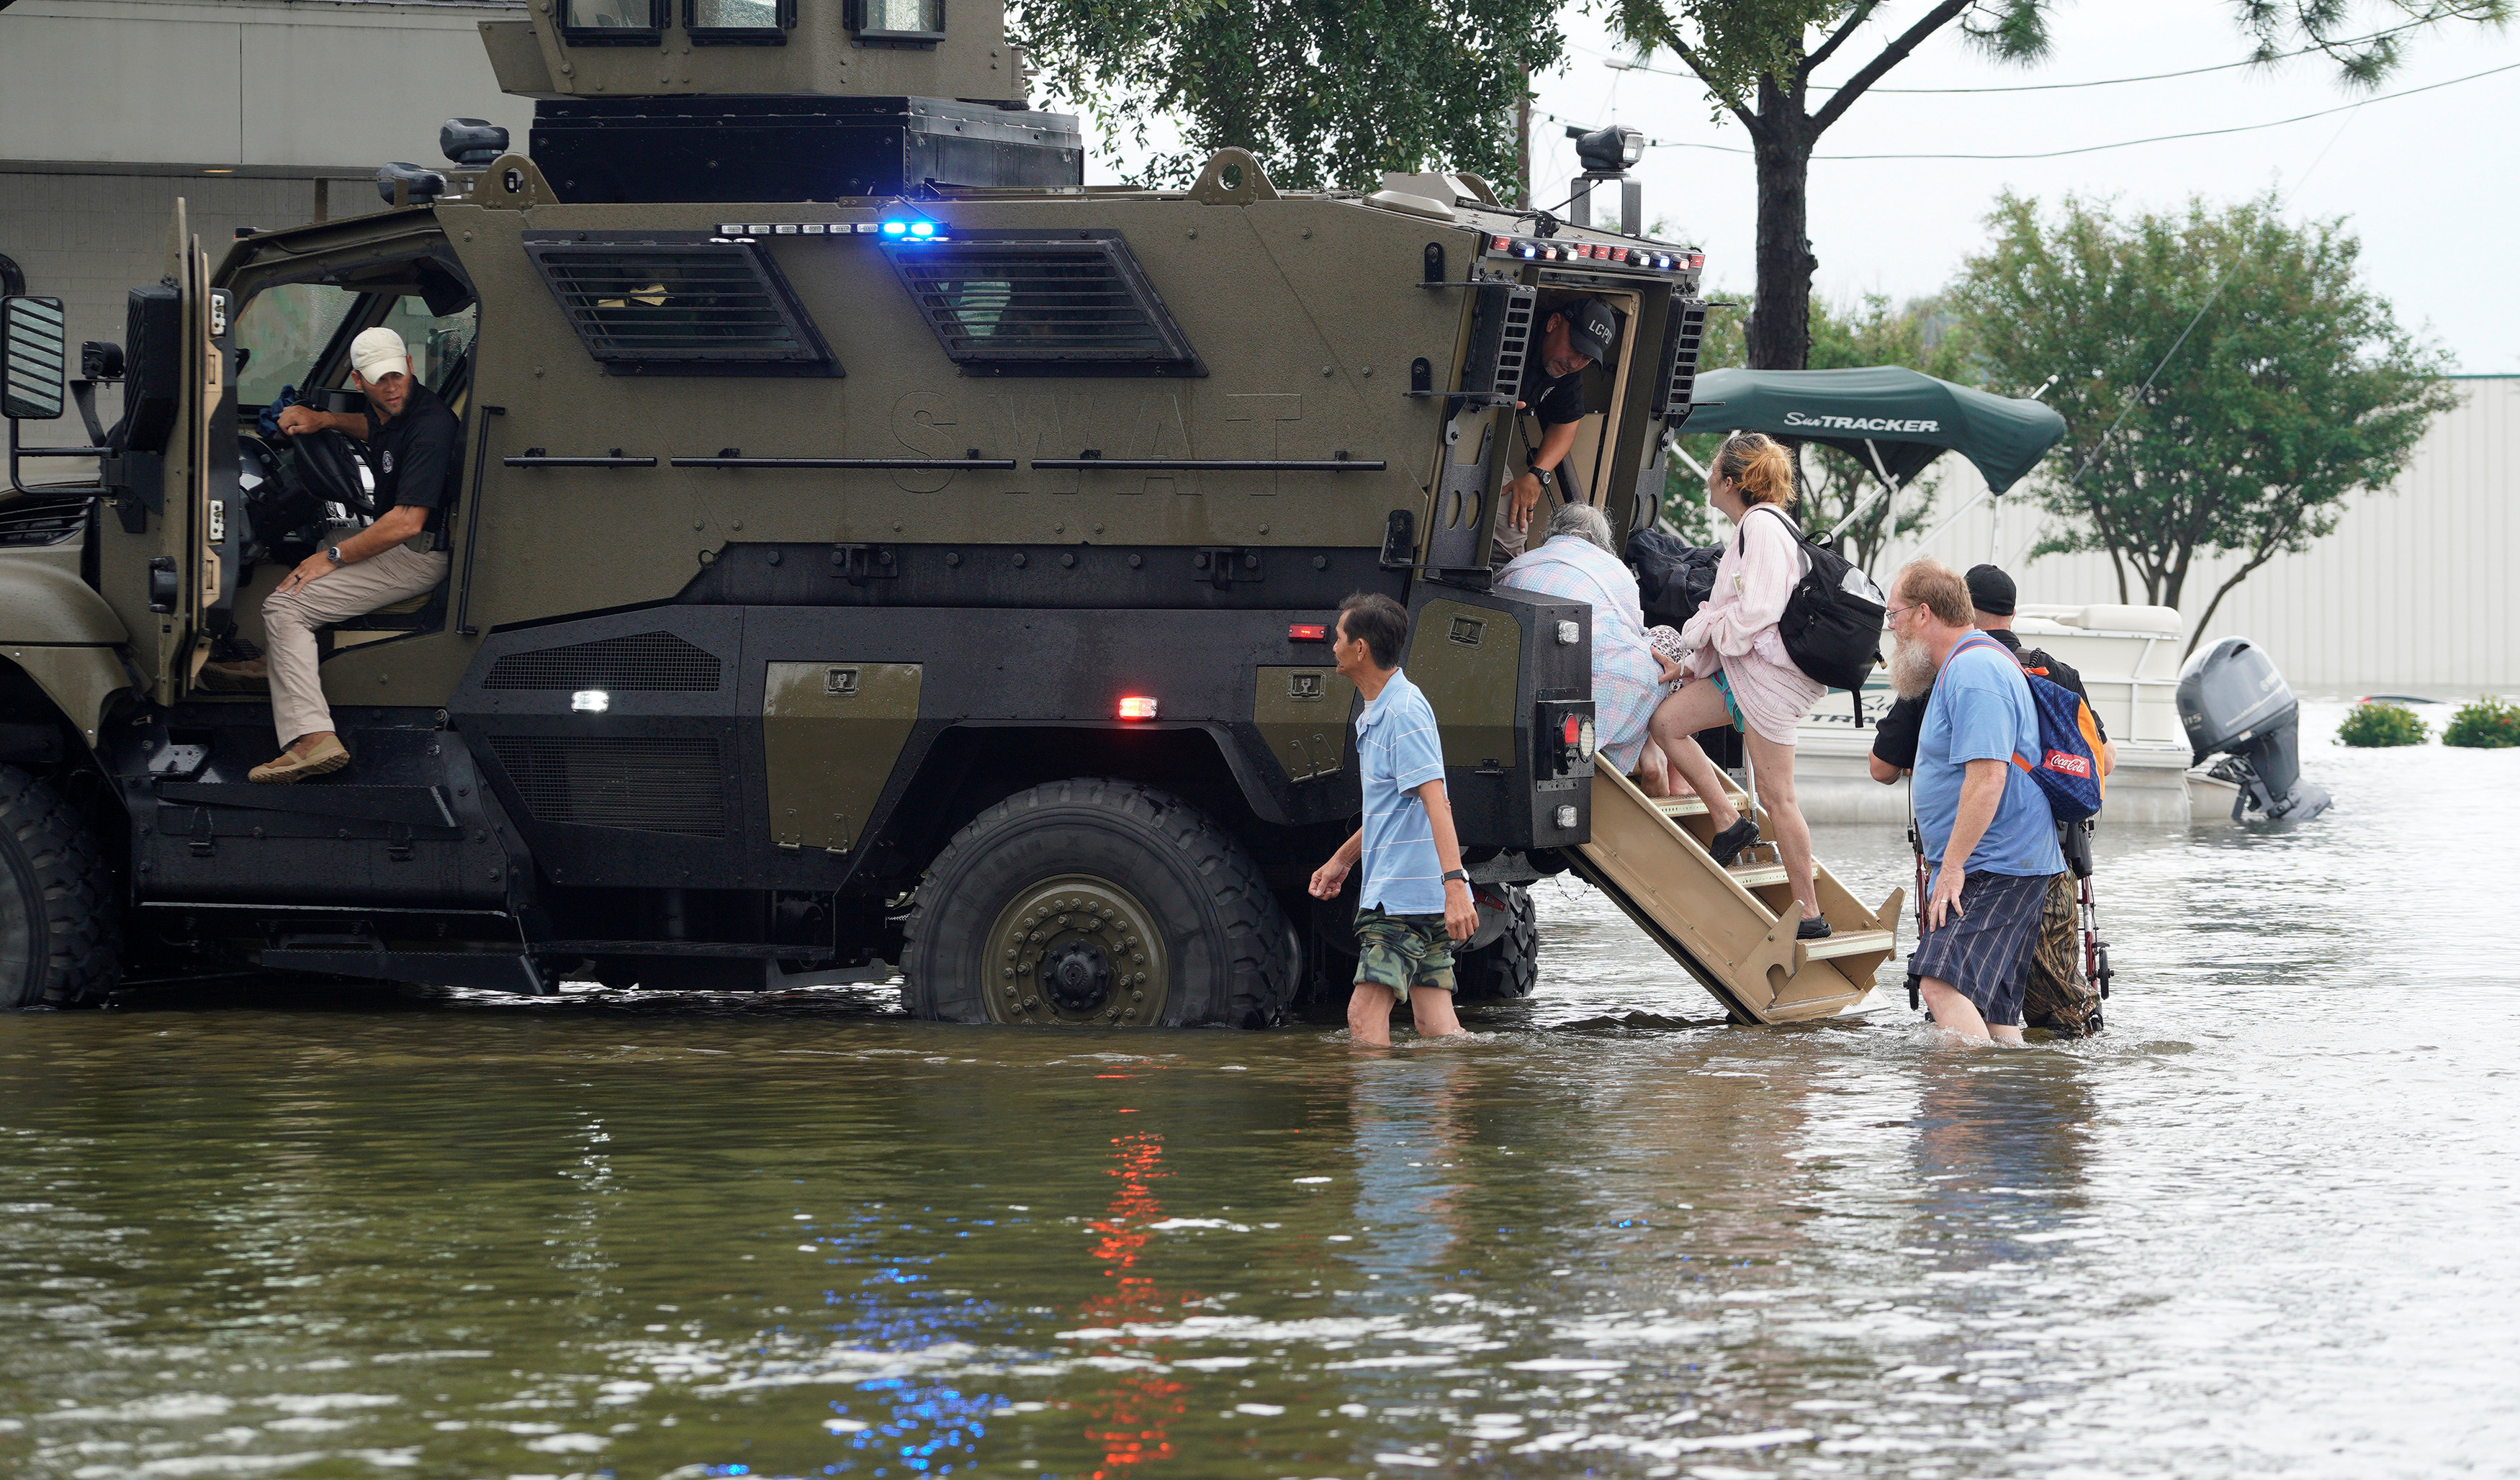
(2488, 724)
(2382, 725)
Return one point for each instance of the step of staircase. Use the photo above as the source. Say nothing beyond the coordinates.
(1758, 875)
(1680, 806)
(1849, 943)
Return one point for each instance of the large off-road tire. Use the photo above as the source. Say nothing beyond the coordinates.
(1506, 968)
(60, 912)
(1097, 903)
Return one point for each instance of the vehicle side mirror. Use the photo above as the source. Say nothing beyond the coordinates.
(34, 338)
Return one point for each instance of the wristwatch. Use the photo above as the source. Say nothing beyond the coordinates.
(1548, 475)
(1451, 875)
(333, 554)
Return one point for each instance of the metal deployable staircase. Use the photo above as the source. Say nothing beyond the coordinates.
(1732, 928)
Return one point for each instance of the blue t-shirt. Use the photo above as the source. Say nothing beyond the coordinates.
(1981, 710)
(1397, 750)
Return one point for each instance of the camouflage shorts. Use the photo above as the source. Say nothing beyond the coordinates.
(2059, 996)
(1402, 951)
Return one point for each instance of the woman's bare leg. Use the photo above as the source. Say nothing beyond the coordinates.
(1697, 705)
(1772, 766)
(1653, 771)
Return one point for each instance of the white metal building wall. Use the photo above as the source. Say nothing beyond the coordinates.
(110, 109)
(2412, 593)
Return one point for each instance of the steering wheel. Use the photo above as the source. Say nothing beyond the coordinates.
(330, 466)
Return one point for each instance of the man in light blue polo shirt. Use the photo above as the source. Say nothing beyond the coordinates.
(1415, 899)
(1983, 823)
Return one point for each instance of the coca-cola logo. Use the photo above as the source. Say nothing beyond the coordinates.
(2066, 763)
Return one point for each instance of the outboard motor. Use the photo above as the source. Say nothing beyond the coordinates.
(2234, 704)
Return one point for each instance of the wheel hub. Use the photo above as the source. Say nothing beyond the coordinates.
(1075, 951)
(1076, 975)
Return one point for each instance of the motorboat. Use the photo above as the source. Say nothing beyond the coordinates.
(2129, 657)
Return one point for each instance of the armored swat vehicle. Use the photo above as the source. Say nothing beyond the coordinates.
(872, 544)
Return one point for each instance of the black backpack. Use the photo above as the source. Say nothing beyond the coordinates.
(1673, 578)
(1831, 626)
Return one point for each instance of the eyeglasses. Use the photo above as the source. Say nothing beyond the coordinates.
(1892, 614)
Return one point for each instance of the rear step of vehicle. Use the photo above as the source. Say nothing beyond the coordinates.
(1732, 928)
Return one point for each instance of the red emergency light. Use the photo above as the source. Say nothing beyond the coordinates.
(1308, 631)
(1136, 706)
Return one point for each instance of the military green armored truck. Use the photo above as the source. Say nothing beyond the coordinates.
(874, 545)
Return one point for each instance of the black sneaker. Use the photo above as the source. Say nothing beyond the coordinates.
(1728, 844)
(1812, 929)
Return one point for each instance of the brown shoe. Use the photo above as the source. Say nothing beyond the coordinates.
(301, 760)
(248, 676)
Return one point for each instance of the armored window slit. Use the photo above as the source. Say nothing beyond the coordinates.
(1042, 303)
(678, 303)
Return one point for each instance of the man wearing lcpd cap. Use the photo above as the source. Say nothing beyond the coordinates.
(1574, 336)
(415, 450)
(2058, 998)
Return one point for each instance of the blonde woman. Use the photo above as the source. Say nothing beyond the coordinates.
(1735, 670)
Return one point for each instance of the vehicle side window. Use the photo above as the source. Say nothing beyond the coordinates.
(289, 328)
(614, 23)
(678, 303)
(1042, 303)
(286, 327)
(738, 23)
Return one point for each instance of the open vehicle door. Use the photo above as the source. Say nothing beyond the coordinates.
(178, 460)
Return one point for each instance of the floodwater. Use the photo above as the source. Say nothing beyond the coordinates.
(2264, 1225)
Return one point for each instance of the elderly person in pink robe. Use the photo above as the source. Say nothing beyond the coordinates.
(1736, 671)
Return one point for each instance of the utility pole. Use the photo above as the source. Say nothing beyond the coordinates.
(1522, 143)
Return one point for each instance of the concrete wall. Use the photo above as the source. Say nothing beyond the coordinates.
(2412, 593)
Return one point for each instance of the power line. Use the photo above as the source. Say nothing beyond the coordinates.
(1616, 64)
(2089, 148)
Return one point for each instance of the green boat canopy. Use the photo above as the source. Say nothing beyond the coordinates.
(1908, 418)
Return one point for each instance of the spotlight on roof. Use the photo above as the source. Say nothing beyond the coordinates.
(1608, 150)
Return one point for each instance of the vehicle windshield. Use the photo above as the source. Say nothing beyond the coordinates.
(289, 330)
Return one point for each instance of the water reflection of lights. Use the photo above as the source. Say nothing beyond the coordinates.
(1129, 1420)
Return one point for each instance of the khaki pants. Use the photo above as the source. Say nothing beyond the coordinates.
(289, 620)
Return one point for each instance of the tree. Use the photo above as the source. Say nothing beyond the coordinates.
(2294, 389)
(1326, 94)
(1758, 60)
(1923, 334)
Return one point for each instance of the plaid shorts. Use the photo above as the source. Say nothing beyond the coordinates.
(1402, 951)
(1985, 951)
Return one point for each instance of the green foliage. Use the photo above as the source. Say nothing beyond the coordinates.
(2373, 724)
(1328, 94)
(1922, 335)
(2489, 723)
(2296, 388)
(1760, 60)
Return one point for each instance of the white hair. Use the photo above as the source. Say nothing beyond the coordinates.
(1585, 522)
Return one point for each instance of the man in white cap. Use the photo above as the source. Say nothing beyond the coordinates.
(416, 451)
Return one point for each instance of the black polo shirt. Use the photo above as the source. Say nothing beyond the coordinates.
(1894, 739)
(1555, 399)
(418, 458)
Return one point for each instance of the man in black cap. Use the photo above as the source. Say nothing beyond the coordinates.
(2059, 1000)
(1574, 336)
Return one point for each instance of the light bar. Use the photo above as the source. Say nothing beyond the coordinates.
(1308, 631)
(1136, 706)
(1531, 250)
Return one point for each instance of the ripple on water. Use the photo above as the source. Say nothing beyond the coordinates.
(2257, 1227)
